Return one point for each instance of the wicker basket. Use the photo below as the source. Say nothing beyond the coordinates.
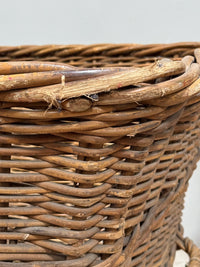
(97, 146)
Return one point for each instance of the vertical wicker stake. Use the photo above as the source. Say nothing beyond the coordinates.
(4, 204)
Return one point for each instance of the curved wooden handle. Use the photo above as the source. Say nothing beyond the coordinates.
(193, 251)
(190, 248)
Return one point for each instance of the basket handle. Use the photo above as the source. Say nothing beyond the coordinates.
(193, 251)
(190, 248)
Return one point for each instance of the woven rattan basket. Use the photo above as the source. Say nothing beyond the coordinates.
(97, 146)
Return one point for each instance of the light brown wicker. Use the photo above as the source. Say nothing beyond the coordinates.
(98, 143)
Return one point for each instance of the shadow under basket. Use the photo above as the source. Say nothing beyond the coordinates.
(97, 144)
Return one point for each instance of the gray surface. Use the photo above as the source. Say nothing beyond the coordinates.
(86, 21)
(114, 21)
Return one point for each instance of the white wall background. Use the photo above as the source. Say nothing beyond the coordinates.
(102, 21)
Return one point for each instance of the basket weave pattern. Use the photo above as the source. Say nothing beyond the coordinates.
(96, 176)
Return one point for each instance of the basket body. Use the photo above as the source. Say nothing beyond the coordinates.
(102, 186)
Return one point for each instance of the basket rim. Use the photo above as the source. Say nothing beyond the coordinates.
(112, 82)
